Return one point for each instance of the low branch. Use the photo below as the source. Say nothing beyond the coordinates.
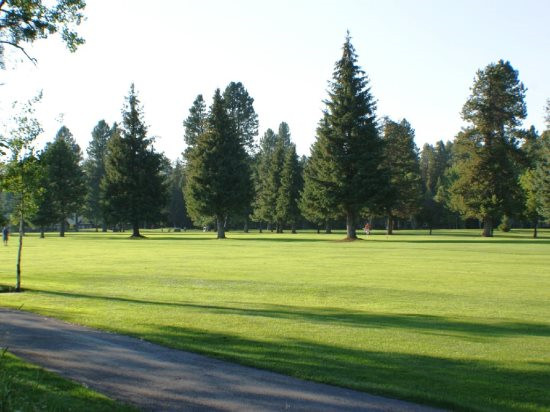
(32, 59)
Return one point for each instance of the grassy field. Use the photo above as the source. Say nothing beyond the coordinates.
(450, 320)
(24, 387)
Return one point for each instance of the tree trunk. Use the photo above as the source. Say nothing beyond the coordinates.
(221, 228)
(487, 227)
(135, 230)
(19, 251)
(293, 228)
(328, 229)
(430, 230)
(246, 225)
(260, 227)
(318, 229)
(62, 228)
(389, 229)
(76, 222)
(42, 235)
(350, 226)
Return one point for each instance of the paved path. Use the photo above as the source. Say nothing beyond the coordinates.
(156, 378)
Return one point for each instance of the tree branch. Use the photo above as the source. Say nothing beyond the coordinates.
(32, 59)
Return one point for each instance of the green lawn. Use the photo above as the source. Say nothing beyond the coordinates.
(24, 387)
(450, 319)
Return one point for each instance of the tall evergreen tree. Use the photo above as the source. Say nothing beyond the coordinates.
(218, 175)
(195, 123)
(176, 210)
(487, 185)
(133, 185)
(403, 196)
(542, 171)
(349, 145)
(265, 198)
(65, 180)
(240, 108)
(286, 208)
(94, 167)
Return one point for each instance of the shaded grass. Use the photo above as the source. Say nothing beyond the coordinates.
(451, 320)
(25, 387)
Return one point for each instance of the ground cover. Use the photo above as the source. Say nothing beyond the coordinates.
(449, 319)
(25, 387)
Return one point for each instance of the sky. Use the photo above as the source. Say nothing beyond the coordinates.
(421, 58)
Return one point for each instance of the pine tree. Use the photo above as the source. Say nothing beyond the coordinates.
(196, 122)
(240, 108)
(65, 180)
(94, 168)
(176, 210)
(133, 186)
(264, 202)
(347, 173)
(487, 185)
(542, 171)
(287, 210)
(218, 175)
(403, 196)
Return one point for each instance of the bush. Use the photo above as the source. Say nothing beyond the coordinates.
(505, 225)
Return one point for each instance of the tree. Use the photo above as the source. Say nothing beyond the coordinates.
(346, 169)
(218, 175)
(287, 210)
(94, 168)
(176, 210)
(264, 202)
(65, 181)
(24, 21)
(195, 123)
(542, 171)
(487, 185)
(240, 108)
(133, 186)
(404, 194)
(21, 173)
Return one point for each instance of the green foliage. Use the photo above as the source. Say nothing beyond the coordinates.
(239, 106)
(133, 187)
(487, 184)
(265, 197)
(403, 195)
(505, 224)
(195, 124)
(24, 21)
(176, 211)
(288, 195)
(64, 180)
(345, 169)
(542, 176)
(218, 174)
(94, 168)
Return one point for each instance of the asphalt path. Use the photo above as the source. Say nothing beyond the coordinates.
(157, 378)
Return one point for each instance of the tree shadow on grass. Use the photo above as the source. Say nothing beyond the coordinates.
(462, 384)
(420, 323)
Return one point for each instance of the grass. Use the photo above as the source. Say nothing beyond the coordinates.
(25, 387)
(449, 320)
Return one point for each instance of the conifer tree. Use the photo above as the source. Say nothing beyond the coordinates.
(133, 186)
(350, 148)
(287, 210)
(403, 196)
(542, 171)
(264, 202)
(240, 108)
(195, 123)
(94, 168)
(487, 184)
(218, 175)
(65, 180)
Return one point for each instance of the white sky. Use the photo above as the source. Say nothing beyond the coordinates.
(421, 57)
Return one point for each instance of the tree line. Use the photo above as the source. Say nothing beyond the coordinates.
(360, 168)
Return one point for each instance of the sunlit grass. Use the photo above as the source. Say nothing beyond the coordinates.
(450, 319)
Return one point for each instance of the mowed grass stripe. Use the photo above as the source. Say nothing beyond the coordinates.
(449, 319)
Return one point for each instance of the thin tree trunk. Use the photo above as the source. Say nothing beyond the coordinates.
(318, 229)
(293, 228)
(350, 226)
(42, 235)
(62, 228)
(535, 231)
(389, 229)
(246, 225)
(19, 251)
(221, 228)
(260, 226)
(328, 228)
(487, 227)
(430, 229)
